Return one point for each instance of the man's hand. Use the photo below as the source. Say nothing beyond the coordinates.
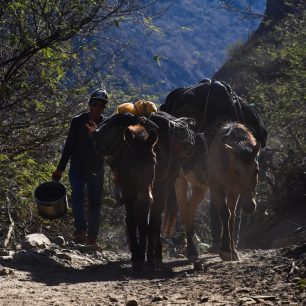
(57, 175)
(91, 127)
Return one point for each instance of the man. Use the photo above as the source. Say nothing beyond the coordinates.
(86, 167)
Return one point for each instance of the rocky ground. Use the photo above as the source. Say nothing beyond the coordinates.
(62, 273)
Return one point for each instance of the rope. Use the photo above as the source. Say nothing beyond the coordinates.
(206, 103)
(235, 101)
(169, 163)
(179, 131)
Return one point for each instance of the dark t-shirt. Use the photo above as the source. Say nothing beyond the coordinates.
(80, 148)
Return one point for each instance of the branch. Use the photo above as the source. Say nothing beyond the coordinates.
(12, 224)
(246, 13)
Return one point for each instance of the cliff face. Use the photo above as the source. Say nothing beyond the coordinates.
(243, 69)
(269, 71)
(276, 10)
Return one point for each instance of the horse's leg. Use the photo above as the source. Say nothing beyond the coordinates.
(154, 254)
(218, 198)
(181, 186)
(232, 199)
(142, 221)
(215, 227)
(170, 213)
(196, 197)
(131, 229)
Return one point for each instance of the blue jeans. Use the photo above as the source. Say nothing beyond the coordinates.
(94, 184)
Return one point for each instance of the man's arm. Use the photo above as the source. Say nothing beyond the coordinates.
(66, 153)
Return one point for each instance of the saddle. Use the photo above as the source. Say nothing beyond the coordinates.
(175, 134)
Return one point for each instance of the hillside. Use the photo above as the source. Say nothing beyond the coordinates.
(269, 71)
(189, 41)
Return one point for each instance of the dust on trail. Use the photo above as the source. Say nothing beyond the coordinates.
(71, 276)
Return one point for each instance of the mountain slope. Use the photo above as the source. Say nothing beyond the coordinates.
(191, 42)
(269, 71)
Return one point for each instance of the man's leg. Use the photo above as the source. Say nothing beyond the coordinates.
(77, 183)
(94, 189)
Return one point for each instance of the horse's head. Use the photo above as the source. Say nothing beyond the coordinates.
(137, 162)
(254, 122)
(109, 136)
(243, 150)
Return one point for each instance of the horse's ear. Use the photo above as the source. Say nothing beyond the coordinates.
(152, 138)
(256, 150)
(230, 149)
(128, 136)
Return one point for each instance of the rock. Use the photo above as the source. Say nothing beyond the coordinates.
(6, 271)
(263, 302)
(180, 256)
(18, 247)
(112, 299)
(39, 241)
(157, 298)
(203, 247)
(131, 302)
(71, 244)
(59, 240)
(204, 299)
(263, 297)
(198, 265)
(4, 252)
(243, 290)
(49, 252)
(246, 301)
(64, 256)
(8, 257)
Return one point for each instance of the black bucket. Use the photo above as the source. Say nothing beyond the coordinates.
(51, 200)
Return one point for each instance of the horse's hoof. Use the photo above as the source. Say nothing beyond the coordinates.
(192, 258)
(137, 265)
(154, 262)
(198, 265)
(235, 256)
(228, 256)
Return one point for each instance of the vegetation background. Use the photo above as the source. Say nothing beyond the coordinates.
(54, 53)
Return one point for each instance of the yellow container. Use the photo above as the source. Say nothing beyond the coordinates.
(126, 108)
(140, 107)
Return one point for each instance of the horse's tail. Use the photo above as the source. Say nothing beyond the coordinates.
(170, 213)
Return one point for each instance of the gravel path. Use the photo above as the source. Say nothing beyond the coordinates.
(73, 276)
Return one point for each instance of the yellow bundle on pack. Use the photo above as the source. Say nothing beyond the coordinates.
(126, 108)
(140, 107)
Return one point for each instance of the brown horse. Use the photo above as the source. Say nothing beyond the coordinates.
(134, 168)
(173, 147)
(230, 171)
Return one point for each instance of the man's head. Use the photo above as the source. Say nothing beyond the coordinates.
(97, 101)
(100, 96)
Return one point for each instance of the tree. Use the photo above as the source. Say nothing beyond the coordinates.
(47, 57)
(46, 48)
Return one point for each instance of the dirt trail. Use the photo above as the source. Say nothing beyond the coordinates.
(70, 276)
